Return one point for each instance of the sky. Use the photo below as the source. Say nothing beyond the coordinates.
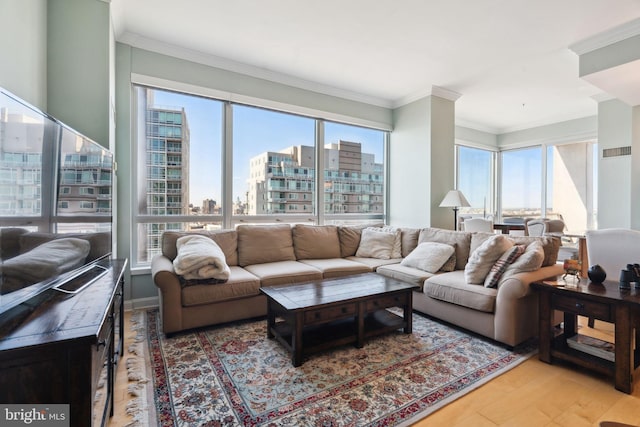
(255, 131)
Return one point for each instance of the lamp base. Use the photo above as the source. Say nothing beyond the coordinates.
(455, 219)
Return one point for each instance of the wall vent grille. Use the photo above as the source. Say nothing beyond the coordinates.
(616, 152)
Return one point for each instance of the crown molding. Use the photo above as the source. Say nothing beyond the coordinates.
(601, 97)
(141, 42)
(433, 90)
(445, 93)
(606, 38)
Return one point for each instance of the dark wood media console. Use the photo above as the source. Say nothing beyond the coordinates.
(62, 349)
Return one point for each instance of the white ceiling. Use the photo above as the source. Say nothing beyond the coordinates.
(508, 59)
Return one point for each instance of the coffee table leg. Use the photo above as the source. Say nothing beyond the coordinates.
(408, 314)
(360, 325)
(271, 318)
(296, 345)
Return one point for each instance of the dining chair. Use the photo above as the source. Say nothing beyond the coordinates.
(535, 227)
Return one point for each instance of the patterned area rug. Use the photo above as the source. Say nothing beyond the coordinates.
(234, 375)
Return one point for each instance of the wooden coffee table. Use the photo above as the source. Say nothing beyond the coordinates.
(323, 314)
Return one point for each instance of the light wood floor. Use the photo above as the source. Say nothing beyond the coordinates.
(532, 394)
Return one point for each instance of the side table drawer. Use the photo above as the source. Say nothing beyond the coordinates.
(583, 308)
(324, 315)
(384, 302)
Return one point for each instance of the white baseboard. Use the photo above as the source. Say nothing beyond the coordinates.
(142, 303)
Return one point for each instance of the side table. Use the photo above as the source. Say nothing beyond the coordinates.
(605, 302)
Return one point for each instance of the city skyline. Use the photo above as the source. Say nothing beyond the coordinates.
(256, 131)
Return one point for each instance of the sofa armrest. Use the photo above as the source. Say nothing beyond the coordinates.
(170, 291)
(516, 313)
(517, 286)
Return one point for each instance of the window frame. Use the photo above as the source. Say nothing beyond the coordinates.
(227, 219)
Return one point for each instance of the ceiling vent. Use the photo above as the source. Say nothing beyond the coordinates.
(616, 152)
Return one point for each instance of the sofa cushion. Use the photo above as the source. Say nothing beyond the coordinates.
(260, 244)
(316, 241)
(484, 257)
(461, 240)
(226, 239)
(404, 273)
(373, 263)
(241, 284)
(337, 267)
(550, 244)
(284, 272)
(429, 256)
(409, 240)
(500, 266)
(550, 247)
(350, 238)
(375, 243)
(451, 287)
(396, 251)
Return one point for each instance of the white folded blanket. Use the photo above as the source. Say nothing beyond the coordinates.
(199, 257)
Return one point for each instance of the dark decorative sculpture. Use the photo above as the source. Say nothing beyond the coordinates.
(596, 273)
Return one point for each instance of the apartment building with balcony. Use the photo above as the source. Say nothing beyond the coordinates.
(283, 181)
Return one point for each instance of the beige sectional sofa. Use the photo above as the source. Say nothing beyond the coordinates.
(267, 255)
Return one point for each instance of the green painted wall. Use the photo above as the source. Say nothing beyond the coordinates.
(78, 69)
(23, 68)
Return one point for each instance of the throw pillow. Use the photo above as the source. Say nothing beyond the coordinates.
(530, 260)
(501, 265)
(429, 256)
(396, 250)
(375, 244)
(450, 264)
(483, 258)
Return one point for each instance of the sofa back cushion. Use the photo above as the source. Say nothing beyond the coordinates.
(259, 244)
(461, 240)
(409, 240)
(550, 244)
(316, 241)
(350, 238)
(226, 239)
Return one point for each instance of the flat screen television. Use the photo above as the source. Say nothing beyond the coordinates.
(56, 189)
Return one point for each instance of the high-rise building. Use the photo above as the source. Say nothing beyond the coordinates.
(167, 171)
(284, 181)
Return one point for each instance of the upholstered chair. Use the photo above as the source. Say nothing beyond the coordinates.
(613, 249)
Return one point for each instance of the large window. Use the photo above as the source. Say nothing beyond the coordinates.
(179, 166)
(554, 181)
(353, 171)
(521, 183)
(196, 153)
(273, 162)
(475, 178)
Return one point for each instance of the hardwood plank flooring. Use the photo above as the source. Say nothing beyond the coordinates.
(533, 394)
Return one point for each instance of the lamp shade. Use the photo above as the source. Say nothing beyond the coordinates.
(454, 199)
